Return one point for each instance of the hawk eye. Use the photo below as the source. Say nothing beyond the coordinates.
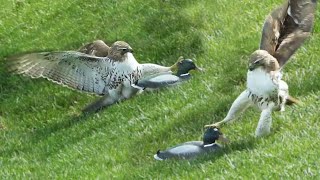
(123, 49)
(256, 61)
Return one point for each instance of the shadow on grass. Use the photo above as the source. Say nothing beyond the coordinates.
(10, 85)
(37, 138)
(245, 144)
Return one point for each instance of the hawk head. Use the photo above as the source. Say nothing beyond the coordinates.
(118, 50)
(262, 59)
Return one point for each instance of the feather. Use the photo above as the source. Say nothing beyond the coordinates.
(96, 48)
(69, 68)
(287, 27)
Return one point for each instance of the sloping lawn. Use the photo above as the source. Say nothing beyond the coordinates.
(42, 137)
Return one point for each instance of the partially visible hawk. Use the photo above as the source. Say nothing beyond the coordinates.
(96, 48)
(111, 76)
(284, 31)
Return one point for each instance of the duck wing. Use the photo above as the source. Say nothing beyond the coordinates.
(287, 27)
(68, 68)
(158, 80)
(185, 150)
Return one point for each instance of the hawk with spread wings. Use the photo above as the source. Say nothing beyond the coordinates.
(284, 31)
(111, 75)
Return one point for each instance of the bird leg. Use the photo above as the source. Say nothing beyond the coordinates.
(283, 100)
(238, 106)
(104, 101)
(265, 122)
(283, 95)
(113, 96)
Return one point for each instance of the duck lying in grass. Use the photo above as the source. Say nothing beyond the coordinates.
(284, 31)
(167, 79)
(111, 76)
(193, 149)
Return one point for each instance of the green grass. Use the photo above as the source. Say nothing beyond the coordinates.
(41, 138)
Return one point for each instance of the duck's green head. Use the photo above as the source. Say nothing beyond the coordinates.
(183, 66)
(213, 134)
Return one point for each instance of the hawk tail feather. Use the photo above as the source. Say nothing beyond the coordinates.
(291, 100)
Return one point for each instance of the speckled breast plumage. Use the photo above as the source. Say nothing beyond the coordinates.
(263, 101)
(118, 77)
(262, 89)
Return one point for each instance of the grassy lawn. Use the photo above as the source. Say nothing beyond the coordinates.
(42, 138)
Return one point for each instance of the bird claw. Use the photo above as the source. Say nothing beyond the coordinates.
(217, 125)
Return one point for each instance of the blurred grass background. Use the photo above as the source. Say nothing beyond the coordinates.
(41, 138)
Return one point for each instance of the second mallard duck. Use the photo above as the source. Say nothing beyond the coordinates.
(193, 149)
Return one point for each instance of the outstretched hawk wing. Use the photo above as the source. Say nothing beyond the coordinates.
(69, 68)
(287, 27)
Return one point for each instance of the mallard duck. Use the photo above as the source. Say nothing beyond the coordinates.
(192, 149)
(284, 31)
(165, 79)
(110, 76)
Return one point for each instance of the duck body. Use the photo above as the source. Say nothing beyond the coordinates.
(187, 150)
(161, 80)
(167, 79)
(193, 149)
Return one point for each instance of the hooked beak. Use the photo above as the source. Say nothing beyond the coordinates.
(251, 67)
(126, 50)
(199, 69)
(223, 139)
(254, 65)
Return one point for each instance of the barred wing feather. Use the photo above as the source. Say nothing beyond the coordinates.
(287, 27)
(69, 68)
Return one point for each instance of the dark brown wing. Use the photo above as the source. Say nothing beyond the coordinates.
(271, 29)
(287, 27)
(303, 11)
(96, 48)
